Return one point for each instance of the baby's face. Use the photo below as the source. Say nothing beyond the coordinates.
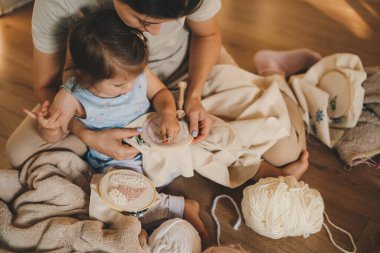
(112, 87)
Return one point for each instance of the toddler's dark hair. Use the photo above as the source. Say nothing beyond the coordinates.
(102, 45)
(170, 9)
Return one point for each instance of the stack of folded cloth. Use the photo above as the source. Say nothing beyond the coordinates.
(362, 142)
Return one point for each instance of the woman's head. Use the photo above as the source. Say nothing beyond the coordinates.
(148, 15)
(102, 47)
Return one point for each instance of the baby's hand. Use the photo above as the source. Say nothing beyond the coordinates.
(46, 120)
(169, 127)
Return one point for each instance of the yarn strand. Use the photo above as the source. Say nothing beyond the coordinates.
(342, 230)
(364, 160)
(238, 222)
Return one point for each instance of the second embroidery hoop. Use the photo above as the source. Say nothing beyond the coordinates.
(338, 86)
(119, 183)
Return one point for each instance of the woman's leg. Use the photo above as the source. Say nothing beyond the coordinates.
(25, 142)
(285, 63)
(295, 169)
(290, 152)
(288, 149)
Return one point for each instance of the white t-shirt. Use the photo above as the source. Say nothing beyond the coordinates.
(52, 19)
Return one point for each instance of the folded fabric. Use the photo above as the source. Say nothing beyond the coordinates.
(372, 89)
(331, 96)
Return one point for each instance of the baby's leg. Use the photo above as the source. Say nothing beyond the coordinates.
(25, 142)
(191, 214)
(171, 207)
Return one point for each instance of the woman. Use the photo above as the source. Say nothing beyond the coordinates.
(163, 22)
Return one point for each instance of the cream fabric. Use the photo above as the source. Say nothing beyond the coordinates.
(315, 101)
(250, 115)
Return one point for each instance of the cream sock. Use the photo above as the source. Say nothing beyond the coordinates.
(268, 62)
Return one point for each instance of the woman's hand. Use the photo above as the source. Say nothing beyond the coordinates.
(199, 119)
(169, 127)
(108, 141)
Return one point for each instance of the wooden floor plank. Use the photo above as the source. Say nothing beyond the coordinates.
(369, 240)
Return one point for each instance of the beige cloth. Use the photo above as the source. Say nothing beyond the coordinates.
(50, 212)
(250, 116)
(316, 100)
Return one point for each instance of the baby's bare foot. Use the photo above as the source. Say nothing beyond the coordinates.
(191, 214)
(298, 167)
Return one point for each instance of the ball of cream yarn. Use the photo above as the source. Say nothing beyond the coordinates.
(175, 236)
(280, 207)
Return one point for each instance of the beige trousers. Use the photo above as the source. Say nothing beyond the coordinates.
(25, 141)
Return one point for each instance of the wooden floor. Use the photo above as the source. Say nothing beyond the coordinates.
(352, 198)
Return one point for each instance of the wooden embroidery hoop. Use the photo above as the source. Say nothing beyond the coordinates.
(136, 207)
(337, 85)
(149, 123)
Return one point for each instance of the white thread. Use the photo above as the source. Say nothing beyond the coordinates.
(280, 207)
(342, 230)
(363, 160)
(238, 222)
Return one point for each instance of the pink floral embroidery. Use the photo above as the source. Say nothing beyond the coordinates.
(131, 193)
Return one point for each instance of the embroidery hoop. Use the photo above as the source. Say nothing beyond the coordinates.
(136, 207)
(337, 85)
(149, 124)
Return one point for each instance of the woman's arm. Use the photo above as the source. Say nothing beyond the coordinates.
(204, 51)
(48, 69)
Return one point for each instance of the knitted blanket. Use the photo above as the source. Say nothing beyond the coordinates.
(363, 141)
(44, 208)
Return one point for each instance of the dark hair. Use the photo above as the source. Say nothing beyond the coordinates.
(170, 9)
(101, 45)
